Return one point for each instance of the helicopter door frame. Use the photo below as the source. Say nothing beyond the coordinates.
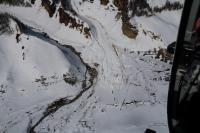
(180, 64)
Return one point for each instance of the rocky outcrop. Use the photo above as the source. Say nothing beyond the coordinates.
(127, 29)
(66, 14)
(68, 20)
(104, 2)
(66, 5)
(50, 7)
(4, 23)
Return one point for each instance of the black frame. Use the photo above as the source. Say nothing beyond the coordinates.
(173, 95)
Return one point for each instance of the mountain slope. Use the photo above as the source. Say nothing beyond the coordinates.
(85, 65)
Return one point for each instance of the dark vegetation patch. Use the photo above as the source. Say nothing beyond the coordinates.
(127, 28)
(2, 91)
(142, 8)
(152, 35)
(15, 3)
(6, 28)
(91, 1)
(70, 78)
(168, 6)
(96, 64)
(139, 8)
(47, 81)
(3, 88)
(33, 1)
(159, 54)
(50, 7)
(18, 39)
(5, 24)
(42, 80)
(23, 56)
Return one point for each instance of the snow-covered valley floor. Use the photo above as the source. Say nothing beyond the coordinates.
(53, 79)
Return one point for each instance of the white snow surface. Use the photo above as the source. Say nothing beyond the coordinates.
(129, 94)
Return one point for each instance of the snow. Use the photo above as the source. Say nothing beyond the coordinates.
(164, 24)
(129, 94)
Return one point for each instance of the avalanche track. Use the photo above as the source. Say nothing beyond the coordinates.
(112, 70)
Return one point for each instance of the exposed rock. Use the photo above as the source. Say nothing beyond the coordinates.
(50, 7)
(42, 81)
(32, 1)
(67, 19)
(86, 32)
(152, 35)
(164, 55)
(66, 5)
(104, 2)
(66, 15)
(70, 79)
(5, 23)
(127, 29)
(17, 38)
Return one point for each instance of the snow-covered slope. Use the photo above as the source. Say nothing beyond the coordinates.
(69, 66)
